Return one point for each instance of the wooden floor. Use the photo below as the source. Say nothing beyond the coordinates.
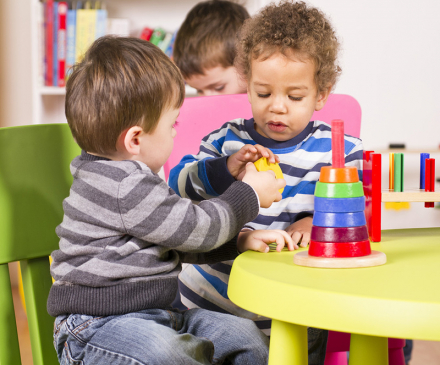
(424, 352)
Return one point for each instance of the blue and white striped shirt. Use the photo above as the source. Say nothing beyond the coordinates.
(205, 175)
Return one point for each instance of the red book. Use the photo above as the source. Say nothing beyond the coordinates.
(48, 14)
(61, 42)
(146, 34)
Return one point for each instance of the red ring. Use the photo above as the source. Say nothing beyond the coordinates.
(339, 249)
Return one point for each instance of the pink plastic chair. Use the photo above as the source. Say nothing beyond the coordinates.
(201, 115)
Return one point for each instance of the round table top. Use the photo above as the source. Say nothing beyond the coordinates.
(398, 299)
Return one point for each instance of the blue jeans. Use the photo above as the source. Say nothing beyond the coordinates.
(161, 337)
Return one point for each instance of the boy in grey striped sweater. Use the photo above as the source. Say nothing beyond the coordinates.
(125, 232)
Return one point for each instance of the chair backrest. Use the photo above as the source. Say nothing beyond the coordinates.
(200, 116)
(34, 180)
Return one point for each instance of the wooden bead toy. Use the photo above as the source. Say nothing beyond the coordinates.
(339, 237)
(263, 164)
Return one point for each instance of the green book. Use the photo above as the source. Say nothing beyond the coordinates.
(157, 36)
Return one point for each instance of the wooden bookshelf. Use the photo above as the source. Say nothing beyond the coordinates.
(48, 102)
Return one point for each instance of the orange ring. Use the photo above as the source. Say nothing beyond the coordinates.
(346, 174)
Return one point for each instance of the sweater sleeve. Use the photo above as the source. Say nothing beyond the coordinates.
(154, 214)
(205, 175)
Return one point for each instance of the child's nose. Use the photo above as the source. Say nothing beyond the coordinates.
(278, 105)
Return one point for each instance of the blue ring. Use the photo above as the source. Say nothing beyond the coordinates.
(339, 205)
(339, 219)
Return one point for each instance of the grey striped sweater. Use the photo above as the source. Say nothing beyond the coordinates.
(125, 232)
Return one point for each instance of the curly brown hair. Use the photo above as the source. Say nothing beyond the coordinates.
(290, 27)
(207, 36)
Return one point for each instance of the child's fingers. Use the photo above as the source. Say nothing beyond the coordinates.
(284, 239)
(305, 240)
(296, 238)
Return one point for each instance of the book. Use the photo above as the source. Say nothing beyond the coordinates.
(101, 20)
(48, 36)
(61, 42)
(70, 38)
(163, 45)
(169, 49)
(55, 44)
(146, 34)
(85, 30)
(157, 36)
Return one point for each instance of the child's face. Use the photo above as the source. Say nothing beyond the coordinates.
(283, 95)
(156, 147)
(216, 81)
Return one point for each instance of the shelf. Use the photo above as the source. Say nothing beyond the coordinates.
(404, 150)
(412, 195)
(53, 90)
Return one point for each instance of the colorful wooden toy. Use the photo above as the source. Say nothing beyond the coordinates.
(429, 178)
(391, 171)
(263, 164)
(339, 249)
(375, 196)
(423, 157)
(339, 236)
(339, 205)
(341, 190)
(350, 219)
(339, 175)
(398, 172)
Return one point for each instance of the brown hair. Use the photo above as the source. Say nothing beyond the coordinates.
(290, 26)
(207, 36)
(120, 83)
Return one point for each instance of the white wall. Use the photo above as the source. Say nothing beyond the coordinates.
(390, 62)
(15, 63)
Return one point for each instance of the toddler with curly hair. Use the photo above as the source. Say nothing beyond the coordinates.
(287, 55)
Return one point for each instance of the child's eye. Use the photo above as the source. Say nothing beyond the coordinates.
(263, 95)
(296, 98)
(220, 88)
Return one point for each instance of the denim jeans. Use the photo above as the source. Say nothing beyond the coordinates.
(317, 339)
(159, 337)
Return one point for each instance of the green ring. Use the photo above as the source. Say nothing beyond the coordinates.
(339, 190)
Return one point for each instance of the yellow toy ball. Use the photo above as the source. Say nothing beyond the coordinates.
(263, 164)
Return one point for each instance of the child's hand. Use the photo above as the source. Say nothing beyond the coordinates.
(301, 231)
(265, 184)
(258, 240)
(248, 153)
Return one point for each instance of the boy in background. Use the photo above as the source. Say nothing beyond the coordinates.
(204, 49)
(125, 232)
(287, 54)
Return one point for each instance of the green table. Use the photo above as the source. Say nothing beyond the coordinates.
(400, 299)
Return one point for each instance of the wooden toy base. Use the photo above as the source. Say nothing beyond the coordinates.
(376, 258)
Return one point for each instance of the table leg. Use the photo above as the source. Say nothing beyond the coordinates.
(368, 350)
(288, 344)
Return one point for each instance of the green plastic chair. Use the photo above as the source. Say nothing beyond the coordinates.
(34, 180)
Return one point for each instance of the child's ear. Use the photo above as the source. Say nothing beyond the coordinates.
(131, 140)
(322, 98)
